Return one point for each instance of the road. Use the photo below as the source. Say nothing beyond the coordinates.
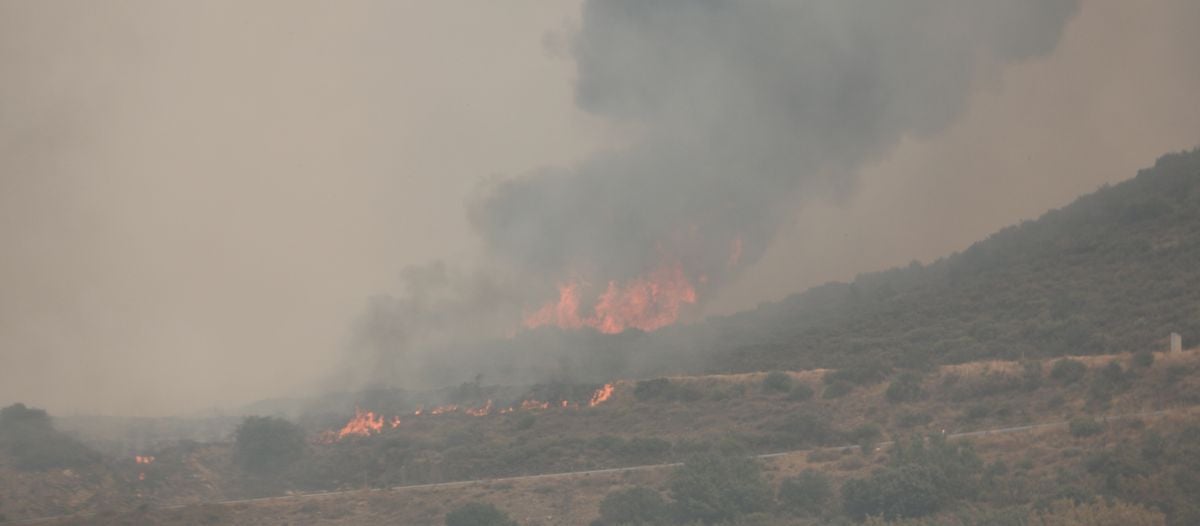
(959, 435)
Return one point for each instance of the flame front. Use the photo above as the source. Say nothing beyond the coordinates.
(601, 395)
(647, 303)
(481, 411)
(363, 424)
(367, 423)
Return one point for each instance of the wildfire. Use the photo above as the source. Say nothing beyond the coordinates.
(363, 424)
(647, 303)
(143, 460)
(367, 423)
(481, 411)
(601, 395)
(534, 404)
(441, 410)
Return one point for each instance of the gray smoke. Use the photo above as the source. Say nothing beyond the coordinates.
(744, 110)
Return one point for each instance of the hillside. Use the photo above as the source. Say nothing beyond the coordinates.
(1114, 271)
(1122, 404)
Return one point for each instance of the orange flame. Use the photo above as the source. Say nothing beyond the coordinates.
(647, 303)
(481, 411)
(443, 409)
(534, 404)
(363, 424)
(601, 395)
(139, 459)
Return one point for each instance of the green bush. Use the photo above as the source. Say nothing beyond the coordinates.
(478, 514)
(1107, 382)
(913, 419)
(865, 436)
(1031, 375)
(666, 390)
(905, 491)
(1143, 359)
(1067, 371)
(640, 449)
(800, 392)
(634, 507)
(906, 388)
(806, 493)
(1175, 373)
(977, 412)
(858, 375)
(717, 487)
(1082, 426)
(524, 421)
(804, 428)
(923, 477)
(837, 389)
(267, 445)
(777, 382)
(30, 437)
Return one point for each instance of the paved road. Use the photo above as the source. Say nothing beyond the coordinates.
(965, 434)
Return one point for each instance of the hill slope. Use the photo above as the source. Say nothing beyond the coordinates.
(1116, 270)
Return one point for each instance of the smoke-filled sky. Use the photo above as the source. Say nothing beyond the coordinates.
(197, 199)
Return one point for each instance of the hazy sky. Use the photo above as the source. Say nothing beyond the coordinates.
(196, 199)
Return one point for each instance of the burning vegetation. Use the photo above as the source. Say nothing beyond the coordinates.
(648, 303)
(367, 423)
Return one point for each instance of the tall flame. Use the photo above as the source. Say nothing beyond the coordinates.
(601, 395)
(647, 303)
(363, 424)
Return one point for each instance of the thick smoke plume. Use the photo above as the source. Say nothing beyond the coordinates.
(742, 111)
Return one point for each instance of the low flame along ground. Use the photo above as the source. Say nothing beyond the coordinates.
(367, 423)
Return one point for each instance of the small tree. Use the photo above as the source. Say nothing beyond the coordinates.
(800, 392)
(837, 389)
(716, 487)
(29, 436)
(1143, 359)
(777, 382)
(906, 388)
(1082, 426)
(634, 507)
(922, 478)
(805, 493)
(1068, 371)
(267, 445)
(905, 491)
(478, 514)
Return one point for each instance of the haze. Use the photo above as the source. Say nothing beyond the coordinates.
(197, 199)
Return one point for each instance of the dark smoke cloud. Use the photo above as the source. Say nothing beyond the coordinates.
(744, 110)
